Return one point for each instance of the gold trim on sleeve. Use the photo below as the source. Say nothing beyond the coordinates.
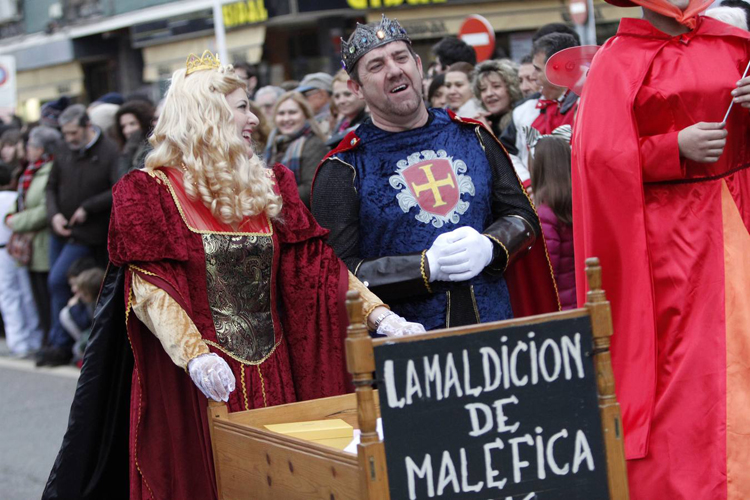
(422, 270)
(505, 249)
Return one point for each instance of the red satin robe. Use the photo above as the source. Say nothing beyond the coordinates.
(157, 232)
(672, 237)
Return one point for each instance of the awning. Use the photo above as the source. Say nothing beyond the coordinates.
(426, 22)
(160, 61)
(50, 82)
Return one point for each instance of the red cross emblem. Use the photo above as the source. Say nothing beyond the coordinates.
(434, 185)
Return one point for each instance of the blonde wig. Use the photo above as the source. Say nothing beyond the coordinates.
(196, 131)
(306, 110)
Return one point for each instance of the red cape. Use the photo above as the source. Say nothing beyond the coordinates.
(607, 160)
(170, 443)
(530, 278)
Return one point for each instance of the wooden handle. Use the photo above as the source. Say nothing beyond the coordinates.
(360, 361)
(609, 408)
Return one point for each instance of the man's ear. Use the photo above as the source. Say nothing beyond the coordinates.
(355, 87)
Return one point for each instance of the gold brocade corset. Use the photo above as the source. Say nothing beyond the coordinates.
(238, 276)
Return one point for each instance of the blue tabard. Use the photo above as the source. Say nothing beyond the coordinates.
(416, 185)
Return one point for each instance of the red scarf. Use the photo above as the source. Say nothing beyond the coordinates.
(28, 175)
(665, 8)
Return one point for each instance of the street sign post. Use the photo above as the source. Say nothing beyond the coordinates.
(579, 11)
(479, 33)
(8, 98)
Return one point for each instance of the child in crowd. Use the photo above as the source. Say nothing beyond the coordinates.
(550, 181)
(85, 280)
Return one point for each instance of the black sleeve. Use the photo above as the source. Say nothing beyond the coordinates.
(508, 138)
(335, 205)
(516, 226)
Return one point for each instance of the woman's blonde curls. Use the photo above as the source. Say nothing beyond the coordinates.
(196, 130)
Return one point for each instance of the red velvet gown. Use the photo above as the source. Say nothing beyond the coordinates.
(672, 236)
(277, 275)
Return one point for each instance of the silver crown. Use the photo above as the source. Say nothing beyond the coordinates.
(367, 37)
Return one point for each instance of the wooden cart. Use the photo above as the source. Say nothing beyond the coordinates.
(254, 463)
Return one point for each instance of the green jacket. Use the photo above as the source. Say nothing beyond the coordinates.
(34, 219)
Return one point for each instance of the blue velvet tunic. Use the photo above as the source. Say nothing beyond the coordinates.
(416, 185)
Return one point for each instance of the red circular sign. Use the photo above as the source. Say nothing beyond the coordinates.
(4, 75)
(478, 32)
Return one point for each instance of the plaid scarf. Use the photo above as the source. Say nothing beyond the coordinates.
(28, 175)
(290, 146)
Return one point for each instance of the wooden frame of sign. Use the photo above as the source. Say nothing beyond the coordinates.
(575, 461)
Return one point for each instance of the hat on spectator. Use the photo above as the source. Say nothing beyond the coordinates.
(51, 111)
(103, 115)
(112, 98)
(316, 81)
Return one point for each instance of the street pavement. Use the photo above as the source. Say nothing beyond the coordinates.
(33, 418)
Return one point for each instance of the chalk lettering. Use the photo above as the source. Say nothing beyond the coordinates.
(476, 430)
(390, 387)
(432, 375)
(506, 364)
(468, 389)
(551, 454)
(572, 348)
(447, 475)
(534, 360)
(550, 344)
(583, 452)
(491, 473)
(451, 377)
(412, 382)
(540, 472)
(518, 382)
(465, 486)
(424, 472)
(490, 355)
(519, 464)
(500, 414)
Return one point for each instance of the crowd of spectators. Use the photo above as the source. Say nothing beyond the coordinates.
(57, 174)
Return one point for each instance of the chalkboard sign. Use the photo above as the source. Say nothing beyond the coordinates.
(507, 413)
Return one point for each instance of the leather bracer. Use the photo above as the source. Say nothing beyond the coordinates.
(394, 277)
(511, 237)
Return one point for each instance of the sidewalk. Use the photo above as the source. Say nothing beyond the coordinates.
(8, 361)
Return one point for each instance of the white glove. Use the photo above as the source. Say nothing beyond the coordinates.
(394, 325)
(466, 254)
(436, 251)
(212, 375)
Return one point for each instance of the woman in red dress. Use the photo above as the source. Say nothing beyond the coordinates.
(231, 292)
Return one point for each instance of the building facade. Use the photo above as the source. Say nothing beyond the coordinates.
(86, 48)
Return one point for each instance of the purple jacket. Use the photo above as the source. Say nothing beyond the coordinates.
(559, 239)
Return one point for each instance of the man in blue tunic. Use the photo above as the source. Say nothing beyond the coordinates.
(423, 206)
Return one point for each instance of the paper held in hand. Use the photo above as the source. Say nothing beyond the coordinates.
(729, 110)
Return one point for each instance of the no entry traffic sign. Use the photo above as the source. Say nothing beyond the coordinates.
(478, 32)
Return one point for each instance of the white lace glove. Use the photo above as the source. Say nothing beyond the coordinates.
(437, 251)
(394, 325)
(212, 375)
(466, 254)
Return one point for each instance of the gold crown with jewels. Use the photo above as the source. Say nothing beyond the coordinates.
(206, 61)
(367, 37)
